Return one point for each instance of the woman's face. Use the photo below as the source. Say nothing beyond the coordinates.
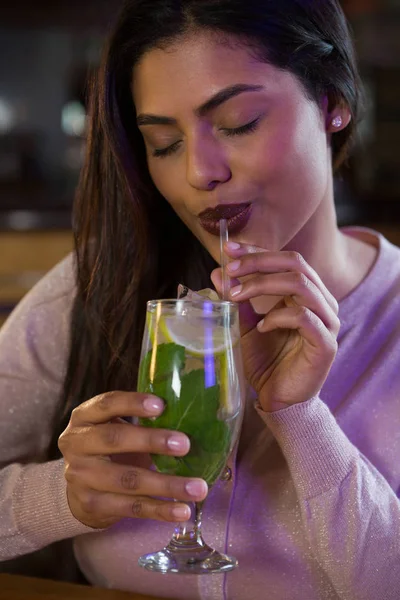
(222, 128)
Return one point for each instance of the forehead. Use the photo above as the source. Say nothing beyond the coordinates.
(195, 67)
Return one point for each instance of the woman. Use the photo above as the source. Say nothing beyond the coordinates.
(205, 109)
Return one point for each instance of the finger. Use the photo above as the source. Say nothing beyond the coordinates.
(111, 405)
(235, 249)
(293, 284)
(309, 326)
(131, 480)
(115, 438)
(101, 507)
(248, 317)
(250, 259)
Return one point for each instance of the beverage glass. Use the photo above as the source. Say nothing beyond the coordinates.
(191, 359)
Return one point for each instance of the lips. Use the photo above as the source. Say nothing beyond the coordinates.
(236, 215)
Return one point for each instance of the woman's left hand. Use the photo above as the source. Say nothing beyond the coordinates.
(287, 354)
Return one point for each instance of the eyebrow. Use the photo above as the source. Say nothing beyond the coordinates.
(211, 104)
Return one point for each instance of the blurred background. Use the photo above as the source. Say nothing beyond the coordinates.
(48, 48)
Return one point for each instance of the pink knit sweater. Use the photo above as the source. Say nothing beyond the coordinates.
(311, 511)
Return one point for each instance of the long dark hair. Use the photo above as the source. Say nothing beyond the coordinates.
(130, 245)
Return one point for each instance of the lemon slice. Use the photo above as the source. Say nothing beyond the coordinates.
(197, 340)
(224, 383)
(150, 327)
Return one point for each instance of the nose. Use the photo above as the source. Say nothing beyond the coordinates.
(207, 164)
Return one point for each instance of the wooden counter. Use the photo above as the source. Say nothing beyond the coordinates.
(16, 587)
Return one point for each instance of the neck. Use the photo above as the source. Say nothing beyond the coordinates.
(340, 260)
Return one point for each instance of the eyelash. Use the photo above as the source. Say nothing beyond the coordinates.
(243, 130)
(248, 128)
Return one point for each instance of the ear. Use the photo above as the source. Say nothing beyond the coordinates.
(337, 115)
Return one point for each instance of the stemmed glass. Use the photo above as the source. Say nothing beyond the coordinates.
(191, 359)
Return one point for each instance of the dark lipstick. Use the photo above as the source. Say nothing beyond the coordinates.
(236, 215)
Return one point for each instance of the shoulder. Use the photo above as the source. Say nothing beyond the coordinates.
(385, 282)
(35, 337)
(60, 281)
(56, 288)
(382, 282)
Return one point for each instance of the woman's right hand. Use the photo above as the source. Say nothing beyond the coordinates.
(107, 463)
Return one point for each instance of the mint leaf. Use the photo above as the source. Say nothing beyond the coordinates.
(167, 358)
(170, 415)
(194, 412)
(215, 437)
(166, 464)
(198, 404)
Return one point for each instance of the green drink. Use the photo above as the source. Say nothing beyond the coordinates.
(191, 359)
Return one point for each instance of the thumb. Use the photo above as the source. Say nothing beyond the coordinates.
(247, 316)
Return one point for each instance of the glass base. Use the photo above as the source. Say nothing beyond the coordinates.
(197, 560)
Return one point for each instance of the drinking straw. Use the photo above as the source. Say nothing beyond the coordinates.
(223, 237)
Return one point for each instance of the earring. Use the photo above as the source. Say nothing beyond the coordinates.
(337, 122)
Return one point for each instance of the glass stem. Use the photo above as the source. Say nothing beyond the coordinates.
(197, 518)
(189, 534)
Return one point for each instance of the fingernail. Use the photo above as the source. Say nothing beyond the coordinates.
(260, 324)
(236, 291)
(234, 266)
(153, 406)
(177, 443)
(232, 246)
(182, 513)
(196, 488)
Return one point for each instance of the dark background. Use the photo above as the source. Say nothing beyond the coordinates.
(47, 48)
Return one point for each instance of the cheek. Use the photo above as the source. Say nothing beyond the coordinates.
(270, 156)
(167, 180)
(159, 176)
(291, 160)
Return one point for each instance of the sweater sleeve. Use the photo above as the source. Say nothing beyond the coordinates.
(350, 513)
(34, 345)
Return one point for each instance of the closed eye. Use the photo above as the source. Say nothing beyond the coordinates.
(243, 130)
(248, 128)
(161, 152)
